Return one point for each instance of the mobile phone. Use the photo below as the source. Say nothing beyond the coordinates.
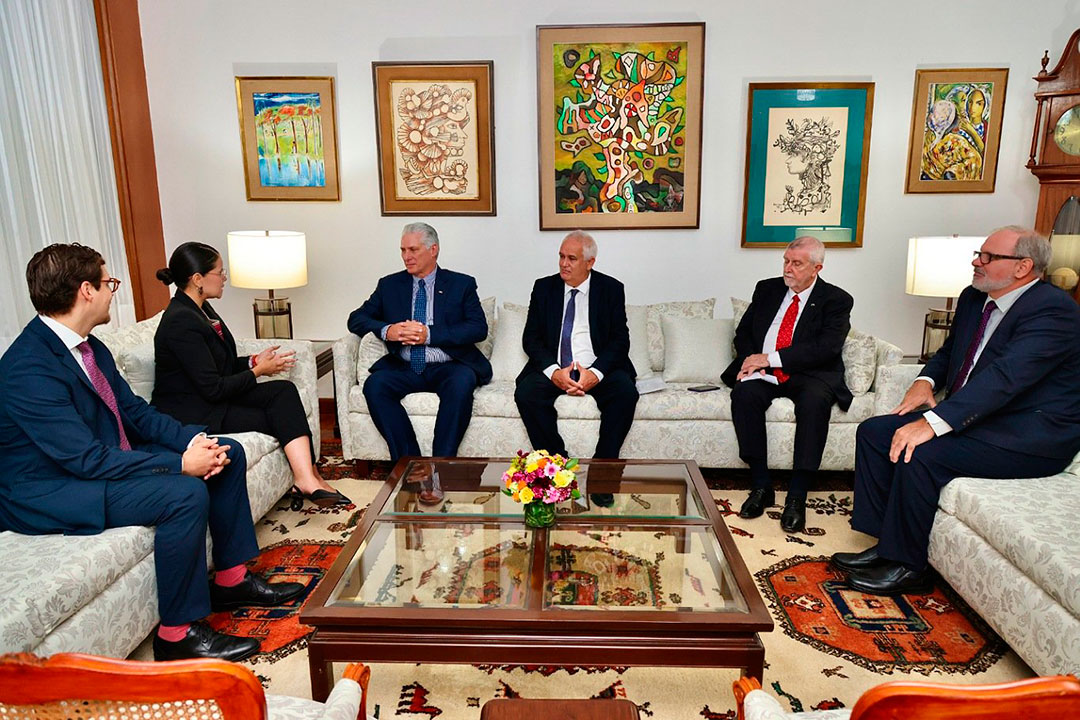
(703, 388)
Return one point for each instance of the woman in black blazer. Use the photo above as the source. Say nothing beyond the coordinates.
(199, 379)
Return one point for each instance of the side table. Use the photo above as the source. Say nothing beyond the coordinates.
(324, 363)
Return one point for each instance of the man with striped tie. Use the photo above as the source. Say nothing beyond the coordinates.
(1009, 370)
(430, 319)
(81, 453)
(788, 344)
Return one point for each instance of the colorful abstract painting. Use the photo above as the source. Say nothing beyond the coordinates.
(955, 129)
(623, 131)
(288, 137)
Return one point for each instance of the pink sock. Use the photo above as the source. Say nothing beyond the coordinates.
(230, 576)
(173, 633)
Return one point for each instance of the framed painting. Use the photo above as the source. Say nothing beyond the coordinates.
(435, 133)
(956, 120)
(288, 135)
(807, 153)
(619, 125)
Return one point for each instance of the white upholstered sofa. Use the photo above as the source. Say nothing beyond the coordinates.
(97, 593)
(679, 341)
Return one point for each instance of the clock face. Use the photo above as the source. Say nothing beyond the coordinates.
(1067, 131)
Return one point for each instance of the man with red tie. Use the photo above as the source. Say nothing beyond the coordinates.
(81, 452)
(788, 345)
(1009, 370)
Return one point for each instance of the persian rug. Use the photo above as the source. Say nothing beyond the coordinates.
(829, 644)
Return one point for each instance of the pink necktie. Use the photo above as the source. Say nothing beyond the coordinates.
(101, 385)
(969, 358)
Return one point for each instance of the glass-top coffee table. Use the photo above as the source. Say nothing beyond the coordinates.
(442, 569)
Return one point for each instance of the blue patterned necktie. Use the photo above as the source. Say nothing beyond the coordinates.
(418, 353)
(566, 353)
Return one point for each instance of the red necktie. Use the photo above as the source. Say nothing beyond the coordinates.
(101, 385)
(216, 324)
(787, 329)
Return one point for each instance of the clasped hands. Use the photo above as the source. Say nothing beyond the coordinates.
(205, 457)
(586, 379)
(908, 437)
(408, 332)
(756, 363)
(271, 362)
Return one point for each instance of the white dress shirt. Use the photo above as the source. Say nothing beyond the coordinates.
(1004, 303)
(769, 346)
(580, 338)
(70, 338)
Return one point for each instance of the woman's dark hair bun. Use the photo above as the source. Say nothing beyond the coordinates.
(186, 260)
(165, 276)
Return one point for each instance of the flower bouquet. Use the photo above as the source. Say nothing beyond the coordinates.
(539, 480)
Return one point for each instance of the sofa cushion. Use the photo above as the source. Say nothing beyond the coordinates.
(508, 356)
(1014, 517)
(487, 344)
(371, 349)
(35, 600)
(696, 350)
(137, 364)
(637, 321)
(702, 309)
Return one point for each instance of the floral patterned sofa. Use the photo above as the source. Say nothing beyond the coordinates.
(1009, 548)
(97, 593)
(680, 342)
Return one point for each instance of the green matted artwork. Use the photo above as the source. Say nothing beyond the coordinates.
(619, 118)
(807, 154)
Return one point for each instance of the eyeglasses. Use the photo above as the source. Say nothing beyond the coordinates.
(113, 283)
(224, 275)
(985, 258)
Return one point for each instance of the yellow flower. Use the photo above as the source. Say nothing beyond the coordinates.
(563, 478)
(531, 467)
(527, 495)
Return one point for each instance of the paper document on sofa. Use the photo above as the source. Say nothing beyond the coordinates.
(651, 384)
(762, 376)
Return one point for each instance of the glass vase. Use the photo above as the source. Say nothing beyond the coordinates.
(539, 515)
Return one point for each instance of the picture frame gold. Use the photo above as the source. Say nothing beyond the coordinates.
(288, 137)
(435, 137)
(955, 130)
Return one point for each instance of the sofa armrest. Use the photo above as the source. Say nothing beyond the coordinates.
(891, 383)
(887, 353)
(302, 374)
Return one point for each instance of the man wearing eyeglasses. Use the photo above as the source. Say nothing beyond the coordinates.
(1008, 372)
(81, 452)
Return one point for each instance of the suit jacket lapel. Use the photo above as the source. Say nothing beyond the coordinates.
(405, 295)
(764, 318)
(807, 318)
(437, 306)
(63, 354)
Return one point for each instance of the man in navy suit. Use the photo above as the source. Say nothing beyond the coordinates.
(431, 320)
(788, 344)
(80, 453)
(1009, 371)
(578, 343)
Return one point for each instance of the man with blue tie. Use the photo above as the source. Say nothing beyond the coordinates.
(81, 453)
(578, 343)
(431, 320)
(1009, 369)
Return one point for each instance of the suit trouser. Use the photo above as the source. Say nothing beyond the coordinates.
(896, 502)
(452, 381)
(273, 408)
(616, 397)
(182, 508)
(813, 400)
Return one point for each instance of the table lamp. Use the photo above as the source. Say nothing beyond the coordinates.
(269, 259)
(939, 267)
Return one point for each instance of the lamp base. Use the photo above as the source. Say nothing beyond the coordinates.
(273, 317)
(936, 327)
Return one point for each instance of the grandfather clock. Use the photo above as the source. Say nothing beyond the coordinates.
(1055, 161)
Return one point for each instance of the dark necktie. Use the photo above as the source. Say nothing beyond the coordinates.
(104, 390)
(969, 359)
(566, 352)
(787, 329)
(418, 353)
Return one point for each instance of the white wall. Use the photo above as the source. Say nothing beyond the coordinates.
(194, 48)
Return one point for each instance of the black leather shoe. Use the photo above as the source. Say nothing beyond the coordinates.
(322, 498)
(793, 519)
(857, 562)
(203, 642)
(892, 579)
(760, 498)
(253, 591)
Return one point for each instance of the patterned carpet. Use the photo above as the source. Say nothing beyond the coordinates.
(830, 644)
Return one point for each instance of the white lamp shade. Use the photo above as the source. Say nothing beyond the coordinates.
(267, 259)
(940, 266)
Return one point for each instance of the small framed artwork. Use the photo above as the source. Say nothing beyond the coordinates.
(289, 137)
(956, 130)
(807, 154)
(435, 133)
(619, 125)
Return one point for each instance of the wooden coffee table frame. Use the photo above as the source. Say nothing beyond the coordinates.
(532, 635)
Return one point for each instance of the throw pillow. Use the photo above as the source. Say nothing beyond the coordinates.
(637, 321)
(371, 349)
(485, 345)
(738, 309)
(701, 309)
(138, 363)
(507, 356)
(696, 350)
(860, 361)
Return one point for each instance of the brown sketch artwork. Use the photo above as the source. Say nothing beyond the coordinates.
(810, 148)
(431, 139)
